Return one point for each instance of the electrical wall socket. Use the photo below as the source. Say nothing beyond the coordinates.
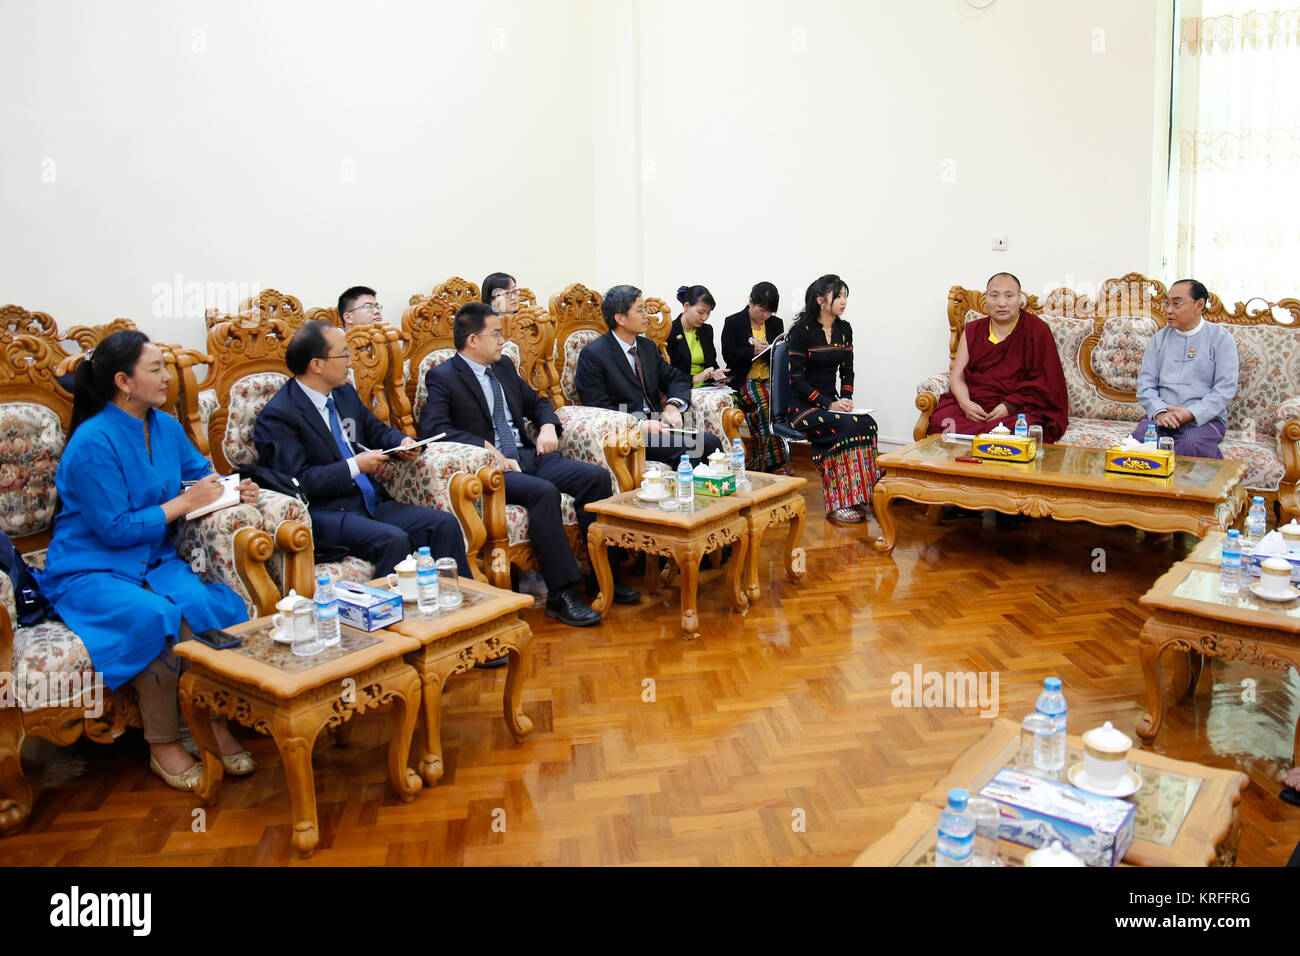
(999, 243)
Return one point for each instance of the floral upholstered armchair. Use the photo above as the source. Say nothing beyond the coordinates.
(51, 677)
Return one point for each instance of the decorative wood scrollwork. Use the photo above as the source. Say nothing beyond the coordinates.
(575, 309)
(273, 304)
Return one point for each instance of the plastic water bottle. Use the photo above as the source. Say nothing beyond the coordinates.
(1152, 437)
(685, 481)
(956, 842)
(327, 612)
(1051, 703)
(738, 461)
(1022, 426)
(1230, 563)
(426, 582)
(1256, 524)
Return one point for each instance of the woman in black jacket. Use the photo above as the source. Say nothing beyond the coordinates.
(843, 444)
(746, 334)
(690, 342)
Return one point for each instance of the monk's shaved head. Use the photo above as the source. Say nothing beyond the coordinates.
(1003, 275)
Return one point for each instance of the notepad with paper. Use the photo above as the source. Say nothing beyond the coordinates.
(229, 496)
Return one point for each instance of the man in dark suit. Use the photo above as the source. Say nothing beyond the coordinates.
(478, 398)
(316, 429)
(624, 371)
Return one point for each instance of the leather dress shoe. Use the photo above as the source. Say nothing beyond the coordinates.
(622, 593)
(566, 608)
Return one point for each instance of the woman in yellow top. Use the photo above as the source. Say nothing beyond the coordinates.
(690, 343)
(745, 338)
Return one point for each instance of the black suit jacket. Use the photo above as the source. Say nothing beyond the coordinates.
(456, 403)
(604, 377)
(679, 352)
(292, 440)
(737, 353)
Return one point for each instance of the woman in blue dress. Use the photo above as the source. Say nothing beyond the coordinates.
(112, 572)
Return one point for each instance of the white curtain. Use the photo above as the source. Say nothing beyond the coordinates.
(1235, 168)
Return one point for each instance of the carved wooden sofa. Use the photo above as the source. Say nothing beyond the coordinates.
(246, 368)
(47, 681)
(578, 321)
(1101, 342)
(593, 435)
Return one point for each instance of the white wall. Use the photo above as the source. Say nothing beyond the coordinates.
(658, 142)
(306, 146)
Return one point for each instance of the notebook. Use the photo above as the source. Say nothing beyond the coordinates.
(229, 496)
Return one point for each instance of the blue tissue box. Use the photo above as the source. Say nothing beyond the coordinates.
(1096, 829)
(367, 608)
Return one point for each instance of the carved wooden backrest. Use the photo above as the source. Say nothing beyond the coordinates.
(35, 412)
(15, 321)
(526, 298)
(1132, 296)
(241, 346)
(273, 304)
(660, 314)
(575, 309)
(534, 332)
(426, 327)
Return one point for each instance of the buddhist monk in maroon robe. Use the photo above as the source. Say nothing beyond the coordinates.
(1006, 364)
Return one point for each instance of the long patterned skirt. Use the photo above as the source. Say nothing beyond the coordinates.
(767, 451)
(844, 451)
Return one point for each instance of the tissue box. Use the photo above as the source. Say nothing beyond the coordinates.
(1096, 829)
(1003, 448)
(367, 608)
(1250, 563)
(1140, 461)
(715, 486)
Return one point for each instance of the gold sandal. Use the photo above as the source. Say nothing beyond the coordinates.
(238, 765)
(188, 780)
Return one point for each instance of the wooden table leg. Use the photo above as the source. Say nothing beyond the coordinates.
(199, 720)
(795, 560)
(688, 563)
(598, 554)
(880, 501)
(1151, 644)
(295, 739)
(431, 681)
(736, 573)
(752, 589)
(401, 722)
(516, 673)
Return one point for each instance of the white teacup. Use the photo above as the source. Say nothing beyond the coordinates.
(1291, 535)
(402, 579)
(293, 620)
(1274, 576)
(653, 485)
(720, 462)
(1105, 756)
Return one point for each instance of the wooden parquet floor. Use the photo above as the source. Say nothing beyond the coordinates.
(780, 714)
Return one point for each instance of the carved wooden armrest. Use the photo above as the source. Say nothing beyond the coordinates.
(928, 394)
(1288, 436)
(208, 544)
(10, 608)
(586, 434)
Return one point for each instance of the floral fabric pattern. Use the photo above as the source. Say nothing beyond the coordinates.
(585, 429)
(436, 357)
(42, 651)
(427, 480)
(31, 444)
(707, 410)
(208, 544)
(1268, 374)
(517, 519)
(248, 396)
(1117, 357)
(207, 402)
(347, 569)
(574, 344)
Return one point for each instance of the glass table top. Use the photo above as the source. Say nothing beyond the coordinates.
(1201, 585)
(1163, 803)
(258, 645)
(1070, 460)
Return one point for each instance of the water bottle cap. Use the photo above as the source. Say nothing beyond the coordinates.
(1258, 499)
(323, 578)
(1052, 683)
(425, 551)
(1234, 533)
(957, 798)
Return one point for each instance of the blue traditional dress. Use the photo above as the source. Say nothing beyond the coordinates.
(110, 542)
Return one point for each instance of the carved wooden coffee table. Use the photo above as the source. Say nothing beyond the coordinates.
(1186, 813)
(1067, 483)
(261, 685)
(485, 626)
(773, 500)
(708, 524)
(1190, 617)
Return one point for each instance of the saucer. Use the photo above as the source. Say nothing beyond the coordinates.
(640, 493)
(1291, 593)
(1128, 785)
(280, 637)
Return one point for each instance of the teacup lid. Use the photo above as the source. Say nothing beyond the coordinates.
(1280, 565)
(1293, 525)
(287, 602)
(1054, 855)
(1107, 738)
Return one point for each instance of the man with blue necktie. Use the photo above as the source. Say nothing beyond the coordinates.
(316, 429)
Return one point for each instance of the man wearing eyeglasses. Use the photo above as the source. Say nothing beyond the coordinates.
(477, 397)
(317, 430)
(358, 306)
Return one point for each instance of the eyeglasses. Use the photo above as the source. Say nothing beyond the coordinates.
(497, 334)
(368, 307)
(512, 293)
(345, 355)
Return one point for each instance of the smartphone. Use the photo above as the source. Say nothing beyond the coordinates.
(218, 639)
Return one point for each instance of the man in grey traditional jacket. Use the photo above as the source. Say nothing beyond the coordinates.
(1188, 376)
